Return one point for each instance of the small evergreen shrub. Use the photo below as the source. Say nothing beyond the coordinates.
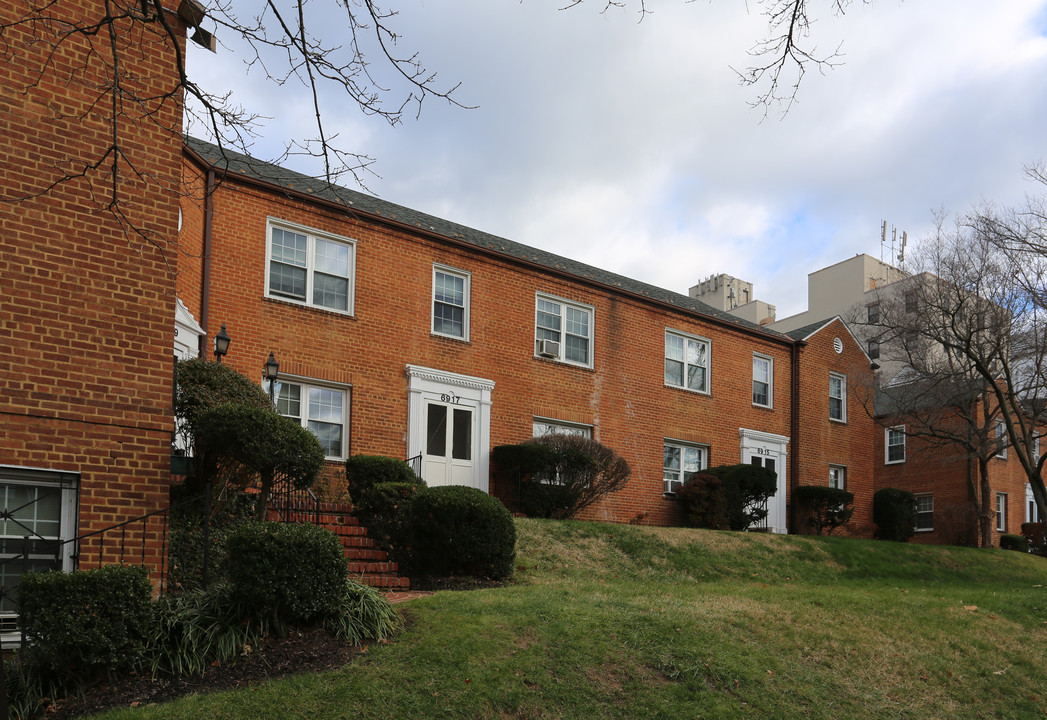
(363, 614)
(383, 509)
(543, 500)
(363, 472)
(704, 502)
(1014, 542)
(282, 573)
(84, 623)
(191, 631)
(459, 530)
(894, 512)
(747, 489)
(827, 508)
(1034, 535)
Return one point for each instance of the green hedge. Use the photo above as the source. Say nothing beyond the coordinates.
(704, 502)
(80, 624)
(460, 531)
(1014, 542)
(827, 508)
(363, 472)
(281, 573)
(894, 512)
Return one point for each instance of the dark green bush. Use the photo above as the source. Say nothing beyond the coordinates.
(282, 573)
(363, 614)
(894, 512)
(1034, 535)
(460, 531)
(383, 509)
(747, 489)
(363, 472)
(191, 631)
(585, 470)
(84, 623)
(186, 539)
(704, 502)
(826, 507)
(1014, 542)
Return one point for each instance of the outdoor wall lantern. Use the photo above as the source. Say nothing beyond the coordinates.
(221, 343)
(272, 371)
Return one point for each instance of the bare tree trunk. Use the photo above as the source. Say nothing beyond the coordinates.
(985, 509)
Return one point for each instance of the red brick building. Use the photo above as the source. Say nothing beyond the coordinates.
(88, 286)
(406, 335)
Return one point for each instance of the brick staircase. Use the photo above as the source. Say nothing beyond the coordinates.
(367, 564)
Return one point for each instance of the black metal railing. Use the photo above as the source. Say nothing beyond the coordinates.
(416, 464)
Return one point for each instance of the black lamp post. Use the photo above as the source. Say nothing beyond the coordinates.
(272, 371)
(221, 343)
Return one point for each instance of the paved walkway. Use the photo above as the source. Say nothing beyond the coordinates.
(399, 596)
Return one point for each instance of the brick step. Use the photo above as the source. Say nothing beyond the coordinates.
(356, 541)
(384, 582)
(366, 554)
(373, 568)
(346, 530)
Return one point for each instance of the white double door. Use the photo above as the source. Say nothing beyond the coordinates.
(770, 451)
(449, 426)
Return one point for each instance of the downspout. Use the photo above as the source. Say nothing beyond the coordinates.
(794, 432)
(205, 275)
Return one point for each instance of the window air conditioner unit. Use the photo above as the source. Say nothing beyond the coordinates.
(548, 348)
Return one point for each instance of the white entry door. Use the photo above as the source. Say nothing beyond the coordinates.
(449, 454)
(769, 450)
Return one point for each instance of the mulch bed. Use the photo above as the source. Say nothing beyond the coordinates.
(304, 651)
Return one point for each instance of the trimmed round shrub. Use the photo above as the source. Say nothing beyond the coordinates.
(383, 509)
(283, 573)
(747, 488)
(459, 530)
(363, 472)
(704, 502)
(84, 623)
(894, 512)
(1014, 542)
(827, 508)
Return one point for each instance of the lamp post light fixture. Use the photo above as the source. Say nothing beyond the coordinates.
(272, 371)
(221, 343)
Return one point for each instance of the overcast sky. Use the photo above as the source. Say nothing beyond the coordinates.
(631, 145)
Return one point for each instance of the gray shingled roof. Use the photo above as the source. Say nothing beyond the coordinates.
(802, 333)
(223, 159)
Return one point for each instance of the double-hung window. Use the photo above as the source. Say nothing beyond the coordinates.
(837, 397)
(680, 461)
(894, 445)
(37, 524)
(874, 349)
(321, 409)
(763, 380)
(1001, 512)
(563, 330)
(925, 512)
(450, 302)
(1001, 439)
(686, 362)
(310, 267)
(838, 477)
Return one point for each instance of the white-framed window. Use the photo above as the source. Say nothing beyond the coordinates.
(321, 409)
(1001, 439)
(563, 330)
(1036, 447)
(309, 267)
(894, 444)
(680, 461)
(763, 380)
(1001, 512)
(40, 505)
(838, 397)
(450, 302)
(838, 477)
(545, 426)
(1032, 511)
(686, 361)
(925, 512)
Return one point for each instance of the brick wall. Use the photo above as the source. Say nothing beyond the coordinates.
(86, 320)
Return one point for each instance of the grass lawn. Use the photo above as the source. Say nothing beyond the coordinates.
(611, 621)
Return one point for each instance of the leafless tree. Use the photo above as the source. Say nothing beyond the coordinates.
(971, 339)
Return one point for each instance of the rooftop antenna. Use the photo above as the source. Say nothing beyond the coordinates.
(900, 257)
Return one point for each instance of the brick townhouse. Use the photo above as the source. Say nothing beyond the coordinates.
(406, 335)
(88, 294)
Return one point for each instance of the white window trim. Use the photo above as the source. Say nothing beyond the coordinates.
(843, 475)
(929, 496)
(564, 304)
(887, 446)
(560, 427)
(307, 383)
(312, 234)
(770, 380)
(1001, 439)
(1001, 512)
(708, 361)
(682, 445)
(466, 277)
(843, 398)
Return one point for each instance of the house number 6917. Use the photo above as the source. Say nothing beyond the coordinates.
(448, 398)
